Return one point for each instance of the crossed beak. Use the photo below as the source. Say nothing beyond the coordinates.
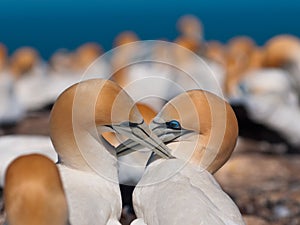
(160, 131)
(140, 135)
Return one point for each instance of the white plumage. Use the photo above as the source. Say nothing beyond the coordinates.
(270, 100)
(187, 195)
(201, 130)
(88, 163)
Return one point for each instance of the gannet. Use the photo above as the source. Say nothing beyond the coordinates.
(201, 130)
(271, 89)
(191, 27)
(86, 61)
(215, 58)
(123, 56)
(33, 192)
(35, 85)
(3, 56)
(137, 64)
(11, 110)
(220, 150)
(24, 61)
(30, 74)
(170, 68)
(239, 50)
(88, 164)
(283, 51)
(268, 94)
(61, 62)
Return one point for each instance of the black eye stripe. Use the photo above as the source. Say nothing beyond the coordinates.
(135, 124)
(130, 124)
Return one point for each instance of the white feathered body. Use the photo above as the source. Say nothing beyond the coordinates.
(172, 193)
(92, 199)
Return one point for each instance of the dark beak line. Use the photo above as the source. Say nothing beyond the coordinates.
(150, 138)
(136, 125)
(183, 132)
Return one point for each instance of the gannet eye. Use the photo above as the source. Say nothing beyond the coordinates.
(173, 124)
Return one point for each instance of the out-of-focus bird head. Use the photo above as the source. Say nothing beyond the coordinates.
(282, 50)
(3, 56)
(86, 54)
(23, 60)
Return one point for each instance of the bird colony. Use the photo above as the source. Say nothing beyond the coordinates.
(154, 115)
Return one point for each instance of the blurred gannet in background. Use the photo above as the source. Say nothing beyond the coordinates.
(238, 70)
(239, 50)
(60, 62)
(215, 58)
(26, 62)
(194, 72)
(33, 193)
(38, 85)
(191, 27)
(30, 74)
(268, 88)
(192, 38)
(283, 51)
(123, 56)
(215, 51)
(68, 68)
(201, 129)
(3, 56)
(11, 111)
(85, 61)
(268, 95)
(85, 55)
(88, 164)
(125, 37)
(140, 63)
(170, 68)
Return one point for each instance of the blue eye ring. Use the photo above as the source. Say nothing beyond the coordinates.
(173, 124)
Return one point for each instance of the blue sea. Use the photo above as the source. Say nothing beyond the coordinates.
(52, 24)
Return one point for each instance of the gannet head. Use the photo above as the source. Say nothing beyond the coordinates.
(282, 50)
(199, 127)
(190, 26)
(240, 46)
(3, 56)
(23, 60)
(61, 61)
(86, 54)
(91, 107)
(215, 51)
(125, 37)
(34, 193)
(239, 52)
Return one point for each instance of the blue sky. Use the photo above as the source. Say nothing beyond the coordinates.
(51, 24)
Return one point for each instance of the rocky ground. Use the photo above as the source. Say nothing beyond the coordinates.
(262, 180)
(264, 185)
